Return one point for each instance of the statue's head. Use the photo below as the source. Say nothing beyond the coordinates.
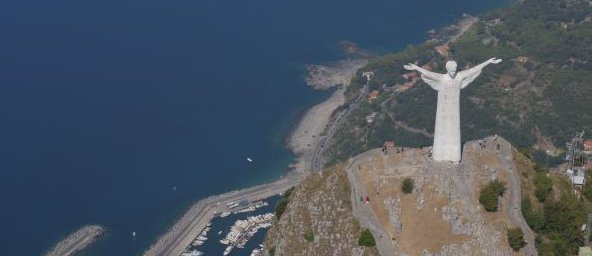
(451, 68)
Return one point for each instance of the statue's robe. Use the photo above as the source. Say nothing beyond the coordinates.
(447, 142)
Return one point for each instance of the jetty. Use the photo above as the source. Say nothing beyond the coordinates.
(196, 219)
(77, 241)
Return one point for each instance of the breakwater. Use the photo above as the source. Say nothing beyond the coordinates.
(188, 226)
(77, 241)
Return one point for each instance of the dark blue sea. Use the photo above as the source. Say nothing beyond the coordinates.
(105, 106)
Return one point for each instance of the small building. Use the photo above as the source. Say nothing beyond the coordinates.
(370, 117)
(389, 143)
(578, 181)
(522, 59)
(588, 145)
(373, 95)
(368, 75)
(443, 50)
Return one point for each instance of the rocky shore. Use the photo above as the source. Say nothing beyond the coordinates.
(322, 77)
(452, 32)
(77, 241)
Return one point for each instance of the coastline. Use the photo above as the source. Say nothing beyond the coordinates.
(302, 140)
(306, 140)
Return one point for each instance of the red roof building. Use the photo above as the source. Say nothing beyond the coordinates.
(443, 50)
(588, 145)
(374, 95)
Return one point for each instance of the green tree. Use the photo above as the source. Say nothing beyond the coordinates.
(407, 185)
(516, 238)
(366, 239)
(282, 204)
(563, 219)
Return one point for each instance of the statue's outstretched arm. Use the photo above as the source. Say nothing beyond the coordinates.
(469, 75)
(477, 69)
(425, 73)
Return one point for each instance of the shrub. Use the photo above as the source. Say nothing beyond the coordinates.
(309, 235)
(407, 186)
(516, 238)
(488, 199)
(588, 191)
(534, 218)
(543, 186)
(490, 193)
(366, 239)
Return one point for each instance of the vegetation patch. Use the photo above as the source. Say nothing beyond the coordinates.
(490, 193)
(366, 239)
(282, 204)
(543, 185)
(309, 235)
(407, 185)
(516, 238)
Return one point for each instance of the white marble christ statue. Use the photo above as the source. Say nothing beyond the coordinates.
(447, 131)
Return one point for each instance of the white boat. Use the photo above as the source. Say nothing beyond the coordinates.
(249, 159)
(224, 214)
(202, 238)
(228, 249)
(256, 252)
(192, 253)
(220, 232)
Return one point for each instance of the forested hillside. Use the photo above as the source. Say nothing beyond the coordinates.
(538, 97)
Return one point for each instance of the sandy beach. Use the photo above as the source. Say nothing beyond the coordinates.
(307, 135)
(314, 122)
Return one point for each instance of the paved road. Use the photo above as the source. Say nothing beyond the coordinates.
(363, 211)
(315, 156)
(515, 207)
(199, 215)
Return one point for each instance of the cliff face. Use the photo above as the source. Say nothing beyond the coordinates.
(442, 216)
(320, 210)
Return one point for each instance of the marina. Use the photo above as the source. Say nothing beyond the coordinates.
(238, 233)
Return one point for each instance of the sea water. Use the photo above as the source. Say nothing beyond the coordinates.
(124, 113)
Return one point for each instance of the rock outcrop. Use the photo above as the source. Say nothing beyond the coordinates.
(442, 216)
(321, 207)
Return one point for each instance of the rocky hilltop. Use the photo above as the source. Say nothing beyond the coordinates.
(441, 216)
(319, 219)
